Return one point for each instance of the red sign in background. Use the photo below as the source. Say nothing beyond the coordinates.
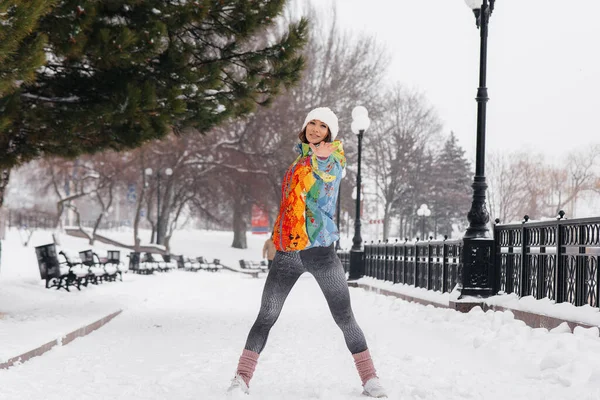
(260, 221)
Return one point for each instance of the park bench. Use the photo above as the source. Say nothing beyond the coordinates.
(180, 260)
(134, 262)
(153, 263)
(190, 264)
(248, 264)
(253, 268)
(168, 263)
(113, 257)
(102, 272)
(51, 270)
(82, 273)
(213, 266)
(136, 265)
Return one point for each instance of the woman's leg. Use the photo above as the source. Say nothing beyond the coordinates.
(285, 271)
(327, 269)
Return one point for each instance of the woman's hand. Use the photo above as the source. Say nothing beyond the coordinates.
(322, 149)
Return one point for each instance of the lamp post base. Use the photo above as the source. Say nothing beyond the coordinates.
(357, 265)
(478, 267)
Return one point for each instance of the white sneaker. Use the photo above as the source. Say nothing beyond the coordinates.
(373, 388)
(238, 385)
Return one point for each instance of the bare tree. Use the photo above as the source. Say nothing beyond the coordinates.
(507, 190)
(525, 184)
(251, 155)
(395, 150)
(108, 168)
(68, 180)
(567, 184)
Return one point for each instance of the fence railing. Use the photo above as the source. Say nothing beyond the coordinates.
(31, 220)
(345, 259)
(557, 259)
(43, 220)
(433, 265)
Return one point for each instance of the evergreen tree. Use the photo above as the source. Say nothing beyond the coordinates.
(451, 192)
(21, 53)
(21, 46)
(120, 73)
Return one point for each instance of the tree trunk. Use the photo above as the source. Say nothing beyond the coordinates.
(96, 225)
(81, 229)
(167, 243)
(136, 220)
(60, 208)
(138, 209)
(163, 227)
(386, 224)
(4, 178)
(240, 225)
(105, 208)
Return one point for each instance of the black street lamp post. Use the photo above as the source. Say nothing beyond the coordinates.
(360, 123)
(478, 273)
(168, 172)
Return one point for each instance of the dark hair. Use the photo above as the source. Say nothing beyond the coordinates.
(302, 136)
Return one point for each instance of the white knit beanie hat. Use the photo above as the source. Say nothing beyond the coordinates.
(324, 114)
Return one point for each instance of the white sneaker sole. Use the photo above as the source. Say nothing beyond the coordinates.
(374, 397)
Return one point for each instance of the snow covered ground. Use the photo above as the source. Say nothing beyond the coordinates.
(181, 333)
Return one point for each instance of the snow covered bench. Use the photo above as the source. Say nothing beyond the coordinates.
(82, 274)
(113, 257)
(180, 261)
(209, 266)
(160, 264)
(188, 264)
(247, 264)
(52, 271)
(167, 263)
(102, 272)
(253, 268)
(138, 266)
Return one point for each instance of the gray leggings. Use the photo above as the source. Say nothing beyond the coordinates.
(327, 269)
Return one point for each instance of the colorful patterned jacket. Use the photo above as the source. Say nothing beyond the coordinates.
(308, 200)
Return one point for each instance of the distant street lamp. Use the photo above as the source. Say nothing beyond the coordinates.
(478, 276)
(360, 123)
(423, 212)
(168, 172)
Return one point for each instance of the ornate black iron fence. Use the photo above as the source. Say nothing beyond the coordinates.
(557, 259)
(554, 259)
(433, 265)
(345, 259)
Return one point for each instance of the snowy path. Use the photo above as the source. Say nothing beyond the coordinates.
(181, 334)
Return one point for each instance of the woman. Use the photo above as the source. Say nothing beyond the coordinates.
(304, 236)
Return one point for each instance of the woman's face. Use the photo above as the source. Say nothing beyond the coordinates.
(316, 131)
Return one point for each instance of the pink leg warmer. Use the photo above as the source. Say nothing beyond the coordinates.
(246, 365)
(364, 365)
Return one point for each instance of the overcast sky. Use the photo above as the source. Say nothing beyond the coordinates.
(543, 66)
